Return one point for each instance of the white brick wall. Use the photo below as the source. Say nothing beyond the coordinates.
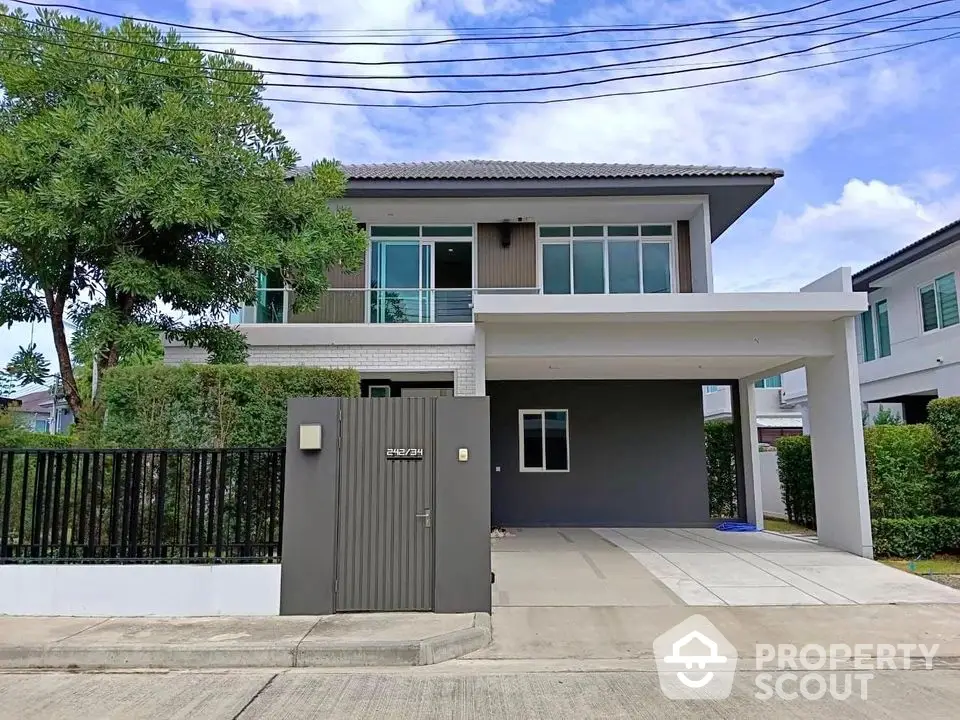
(365, 358)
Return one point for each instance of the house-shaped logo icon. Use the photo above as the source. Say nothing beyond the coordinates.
(695, 661)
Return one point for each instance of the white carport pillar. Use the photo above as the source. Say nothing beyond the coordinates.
(836, 437)
(751, 454)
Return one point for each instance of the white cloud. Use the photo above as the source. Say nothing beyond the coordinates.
(870, 220)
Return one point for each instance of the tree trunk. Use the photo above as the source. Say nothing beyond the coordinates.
(55, 306)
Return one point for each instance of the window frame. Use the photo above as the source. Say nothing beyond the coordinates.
(936, 299)
(670, 241)
(875, 314)
(543, 438)
(371, 388)
(422, 240)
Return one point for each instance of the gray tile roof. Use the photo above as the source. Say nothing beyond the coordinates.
(911, 253)
(522, 170)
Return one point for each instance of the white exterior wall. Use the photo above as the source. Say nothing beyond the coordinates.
(919, 362)
(139, 590)
(718, 405)
(770, 483)
(458, 359)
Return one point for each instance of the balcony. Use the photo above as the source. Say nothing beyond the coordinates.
(362, 306)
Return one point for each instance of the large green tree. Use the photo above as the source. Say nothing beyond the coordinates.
(141, 182)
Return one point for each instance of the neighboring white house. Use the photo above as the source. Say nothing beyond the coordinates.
(773, 419)
(578, 297)
(908, 341)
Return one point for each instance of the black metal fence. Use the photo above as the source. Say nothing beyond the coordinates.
(116, 506)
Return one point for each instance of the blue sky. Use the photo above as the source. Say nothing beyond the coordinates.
(868, 147)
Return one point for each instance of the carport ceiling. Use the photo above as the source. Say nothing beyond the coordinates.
(631, 368)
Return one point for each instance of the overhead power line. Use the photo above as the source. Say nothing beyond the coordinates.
(535, 56)
(567, 86)
(647, 46)
(579, 98)
(598, 96)
(444, 41)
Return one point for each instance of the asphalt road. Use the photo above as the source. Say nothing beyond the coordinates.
(462, 690)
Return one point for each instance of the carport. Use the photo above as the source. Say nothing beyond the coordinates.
(624, 372)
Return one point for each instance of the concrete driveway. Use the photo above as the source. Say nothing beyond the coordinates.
(644, 567)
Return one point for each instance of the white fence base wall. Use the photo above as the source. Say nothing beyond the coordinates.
(770, 486)
(139, 590)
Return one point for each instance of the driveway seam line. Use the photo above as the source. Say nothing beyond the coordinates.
(782, 567)
(78, 632)
(687, 575)
(257, 694)
(296, 650)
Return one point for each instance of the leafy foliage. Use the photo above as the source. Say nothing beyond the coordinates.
(14, 436)
(200, 406)
(141, 182)
(943, 415)
(900, 473)
(721, 468)
(886, 416)
(28, 366)
(921, 537)
(795, 468)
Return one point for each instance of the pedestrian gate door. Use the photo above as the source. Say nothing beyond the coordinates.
(385, 501)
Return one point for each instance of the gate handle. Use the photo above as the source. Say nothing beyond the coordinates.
(426, 516)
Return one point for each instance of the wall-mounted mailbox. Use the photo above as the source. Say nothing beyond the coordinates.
(463, 454)
(310, 437)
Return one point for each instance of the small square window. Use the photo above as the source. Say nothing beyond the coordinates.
(544, 441)
(378, 391)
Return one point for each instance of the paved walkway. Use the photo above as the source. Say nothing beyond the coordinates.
(428, 694)
(381, 639)
(705, 567)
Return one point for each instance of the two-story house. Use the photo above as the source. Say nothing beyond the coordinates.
(579, 298)
(908, 340)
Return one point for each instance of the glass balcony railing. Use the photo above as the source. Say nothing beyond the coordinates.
(362, 305)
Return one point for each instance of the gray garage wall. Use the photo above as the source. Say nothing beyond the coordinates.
(636, 454)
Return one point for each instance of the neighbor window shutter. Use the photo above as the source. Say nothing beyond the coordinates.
(947, 295)
(928, 308)
(866, 336)
(883, 329)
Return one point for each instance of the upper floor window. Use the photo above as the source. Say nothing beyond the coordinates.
(599, 259)
(938, 303)
(710, 389)
(875, 331)
(770, 382)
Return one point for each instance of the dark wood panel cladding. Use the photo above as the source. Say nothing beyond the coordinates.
(684, 265)
(336, 306)
(514, 266)
(339, 278)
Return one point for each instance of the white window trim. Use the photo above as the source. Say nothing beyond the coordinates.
(671, 241)
(936, 300)
(370, 389)
(543, 439)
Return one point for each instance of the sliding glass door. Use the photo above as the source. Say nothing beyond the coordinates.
(400, 281)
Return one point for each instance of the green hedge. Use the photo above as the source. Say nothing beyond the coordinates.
(944, 418)
(16, 438)
(900, 471)
(721, 468)
(915, 537)
(210, 405)
(795, 468)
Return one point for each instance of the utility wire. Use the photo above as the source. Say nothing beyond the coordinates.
(631, 93)
(445, 41)
(554, 101)
(536, 56)
(567, 86)
(538, 73)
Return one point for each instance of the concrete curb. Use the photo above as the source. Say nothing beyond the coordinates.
(75, 656)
